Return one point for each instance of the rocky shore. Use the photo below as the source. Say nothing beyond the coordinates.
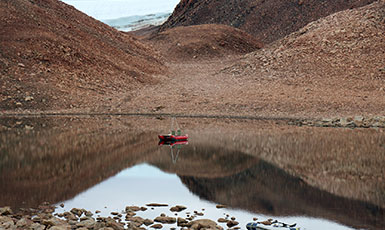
(45, 217)
(344, 122)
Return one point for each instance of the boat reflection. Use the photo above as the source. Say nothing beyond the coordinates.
(173, 145)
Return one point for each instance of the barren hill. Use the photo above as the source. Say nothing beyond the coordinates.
(55, 57)
(338, 61)
(331, 67)
(203, 41)
(268, 20)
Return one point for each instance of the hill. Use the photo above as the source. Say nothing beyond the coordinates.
(55, 57)
(266, 20)
(334, 64)
(203, 41)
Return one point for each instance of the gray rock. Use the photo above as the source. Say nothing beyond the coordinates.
(5, 211)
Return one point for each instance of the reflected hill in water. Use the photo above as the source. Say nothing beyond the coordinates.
(242, 181)
(56, 163)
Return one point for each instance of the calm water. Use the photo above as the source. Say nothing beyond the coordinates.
(108, 163)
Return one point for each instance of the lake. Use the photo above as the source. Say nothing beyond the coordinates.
(106, 163)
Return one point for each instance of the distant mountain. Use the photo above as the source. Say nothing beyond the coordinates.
(267, 20)
(53, 56)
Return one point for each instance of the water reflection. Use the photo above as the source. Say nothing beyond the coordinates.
(57, 162)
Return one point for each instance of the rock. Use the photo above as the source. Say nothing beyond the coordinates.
(115, 213)
(222, 220)
(205, 224)
(128, 214)
(28, 98)
(20, 65)
(157, 226)
(61, 205)
(36, 226)
(266, 222)
(136, 219)
(198, 213)
(28, 127)
(23, 222)
(97, 211)
(6, 222)
(5, 211)
(358, 119)
(70, 216)
(165, 219)
(88, 213)
(90, 223)
(232, 218)
(232, 223)
(221, 206)
(156, 205)
(132, 208)
(177, 208)
(143, 209)
(148, 222)
(54, 221)
(77, 211)
(181, 222)
(59, 228)
(113, 224)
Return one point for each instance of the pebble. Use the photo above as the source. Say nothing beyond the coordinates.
(156, 205)
(177, 208)
(232, 223)
(157, 226)
(221, 206)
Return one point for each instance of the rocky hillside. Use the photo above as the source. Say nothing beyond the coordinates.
(53, 56)
(268, 20)
(338, 61)
(203, 41)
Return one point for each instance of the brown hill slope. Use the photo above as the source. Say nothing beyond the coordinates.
(53, 56)
(203, 41)
(336, 63)
(268, 20)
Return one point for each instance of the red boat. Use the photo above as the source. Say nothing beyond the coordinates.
(173, 138)
(173, 143)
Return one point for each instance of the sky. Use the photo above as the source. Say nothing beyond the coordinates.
(112, 9)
